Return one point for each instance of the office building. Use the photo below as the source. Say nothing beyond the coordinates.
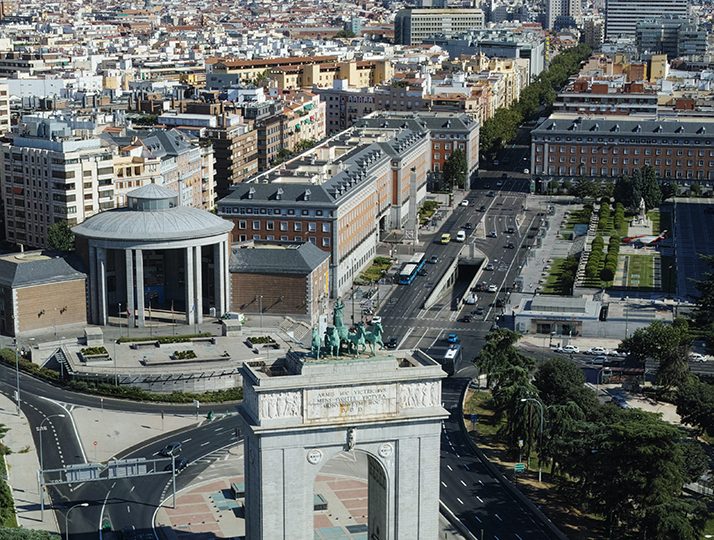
(593, 32)
(561, 13)
(622, 16)
(413, 25)
(673, 36)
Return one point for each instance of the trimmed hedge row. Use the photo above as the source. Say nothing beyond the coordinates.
(592, 268)
(613, 252)
(7, 356)
(619, 219)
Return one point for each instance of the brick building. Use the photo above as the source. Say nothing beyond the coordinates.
(40, 292)
(569, 146)
(280, 279)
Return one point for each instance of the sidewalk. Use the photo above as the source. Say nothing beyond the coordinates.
(22, 466)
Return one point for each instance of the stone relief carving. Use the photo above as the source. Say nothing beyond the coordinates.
(416, 395)
(280, 405)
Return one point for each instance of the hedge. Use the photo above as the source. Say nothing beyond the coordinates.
(592, 268)
(613, 252)
(7, 356)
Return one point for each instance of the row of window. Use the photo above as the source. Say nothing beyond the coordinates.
(633, 140)
(275, 211)
(284, 226)
(270, 238)
(616, 171)
(616, 150)
(635, 161)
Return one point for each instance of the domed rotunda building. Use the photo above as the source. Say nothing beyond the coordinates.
(155, 254)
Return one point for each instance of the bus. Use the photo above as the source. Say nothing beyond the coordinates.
(452, 358)
(411, 268)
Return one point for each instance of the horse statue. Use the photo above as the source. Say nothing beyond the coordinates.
(356, 339)
(338, 321)
(332, 341)
(374, 337)
(316, 343)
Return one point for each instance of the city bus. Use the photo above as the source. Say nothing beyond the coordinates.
(452, 358)
(411, 268)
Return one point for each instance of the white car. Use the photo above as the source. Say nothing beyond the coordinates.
(471, 299)
(465, 202)
(597, 350)
(376, 319)
(696, 357)
(571, 349)
(597, 361)
(526, 171)
(492, 288)
(461, 236)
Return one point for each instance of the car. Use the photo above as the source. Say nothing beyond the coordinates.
(492, 288)
(466, 319)
(391, 343)
(597, 361)
(491, 193)
(526, 171)
(445, 238)
(468, 226)
(376, 319)
(510, 245)
(180, 464)
(596, 350)
(482, 208)
(571, 349)
(452, 338)
(171, 449)
(479, 311)
(696, 357)
(433, 259)
(423, 272)
(504, 175)
(490, 267)
(461, 236)
(471, 299)
(510, 230)
(493, 234)
(499, 303)
(496, 162)
(465, 202)
(499, 183)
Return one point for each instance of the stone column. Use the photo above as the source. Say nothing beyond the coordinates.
(140, 288)
(101, 286)
(189, 278)
(226, 273)
(129, 256)
(198, 269)
(93, 284)
(218, 254)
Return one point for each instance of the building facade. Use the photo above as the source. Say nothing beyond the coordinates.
(622, 16)
(413, 25)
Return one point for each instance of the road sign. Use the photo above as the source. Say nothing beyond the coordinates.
(519, 467)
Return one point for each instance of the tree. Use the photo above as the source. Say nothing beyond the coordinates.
(650, 188)
(695, 189)
(60, 236)
(456, 170)
(585, 188)
(668, 344)
(695, 404)
(668, 191)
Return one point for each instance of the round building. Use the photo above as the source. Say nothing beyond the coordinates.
(155, 255)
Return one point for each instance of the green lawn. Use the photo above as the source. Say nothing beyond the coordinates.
(640, 271)
(578, 217)
(480, 403)
(560, 277)
(379, 266)
(654, 217)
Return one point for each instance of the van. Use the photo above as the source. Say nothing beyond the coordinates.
(461, 236)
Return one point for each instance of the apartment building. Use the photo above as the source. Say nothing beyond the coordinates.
(622, 16)
(568, 146)
(414, 25)
(299, 72)
(52, 172)
(607, 96)
(4, 110)
(235, 145)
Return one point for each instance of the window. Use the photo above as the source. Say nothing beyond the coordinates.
(297, 226)
(270, 225)
(283, 226)
(312, 227)
(256, 225)
(325, 227)
(325, 242)
(305, 212)
(283, 238)
(256, 237)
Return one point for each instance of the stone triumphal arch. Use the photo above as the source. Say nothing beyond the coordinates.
(301, 411)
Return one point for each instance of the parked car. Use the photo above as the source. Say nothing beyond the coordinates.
(568, 349)
(492, 288)
(696, 357)
(466, 319)
(526, 171)
(452, 338)
(597, 361)
(499, 303)
(511, 230)
(491, 193)
(596, 350)
(504, 175)
(171, 449)
(479, 311)
(423, 272)
(391, 343)
(471, 299)
(465, 202)
(482, 208)
(510, 245)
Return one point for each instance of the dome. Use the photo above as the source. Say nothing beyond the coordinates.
(176, 223)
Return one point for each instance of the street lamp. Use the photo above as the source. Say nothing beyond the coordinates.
(540, 409)
(627, 317)
(17, 376)
(66, 518)
(40, 429)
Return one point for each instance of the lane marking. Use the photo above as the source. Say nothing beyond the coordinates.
(462, 502)
(182, 442)
(206, 443)
(479, 499)
(498, 517)
(449, 467)
(463, 483)
(477, 518)
(444, 484)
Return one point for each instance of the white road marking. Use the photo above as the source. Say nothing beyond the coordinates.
(463, 483)
(477, 518)
(444, 484)
(480, 482)
(467, 467)
(449, 467)
(185, 441)
(462, 502)
(479, 499)
(206, 443)
(519, 538)
(128, 509)
(498, 517)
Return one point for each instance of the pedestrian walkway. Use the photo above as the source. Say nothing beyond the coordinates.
(22, 466)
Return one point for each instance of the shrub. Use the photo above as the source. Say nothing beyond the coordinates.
(91, 351)
(184, 355)
(261, 340)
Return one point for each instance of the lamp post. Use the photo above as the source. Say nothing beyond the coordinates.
(17, 376)
(260, 308)
(66, 518)
(42, 428)
(627, 317)
(540, 409)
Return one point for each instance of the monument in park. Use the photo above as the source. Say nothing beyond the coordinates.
(307, 408)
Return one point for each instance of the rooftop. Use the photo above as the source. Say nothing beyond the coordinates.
(276, 258)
